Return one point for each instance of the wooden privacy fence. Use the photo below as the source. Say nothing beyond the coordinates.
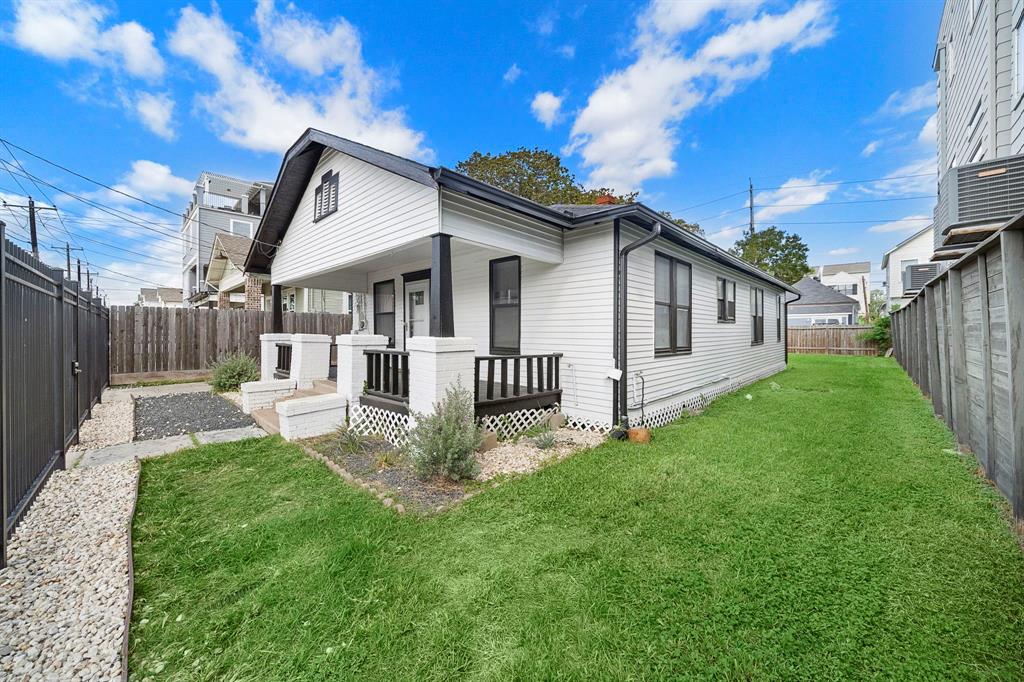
(183, 339)
(53, 369)
(841, 339)
(960, 340)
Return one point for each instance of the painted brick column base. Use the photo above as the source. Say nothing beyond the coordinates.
(435, 363)
(352, 362)
(311, 358)
(268, 353)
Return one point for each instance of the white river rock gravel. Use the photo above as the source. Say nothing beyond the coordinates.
(523, 456)
(64, 593)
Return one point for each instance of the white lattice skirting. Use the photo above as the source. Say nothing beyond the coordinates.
(697, 402)
(512, 424)
(584, 424)
(367, 420)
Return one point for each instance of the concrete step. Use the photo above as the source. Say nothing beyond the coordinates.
(267, 420)
(325, 386)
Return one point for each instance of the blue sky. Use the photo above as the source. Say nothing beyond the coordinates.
(681, 101)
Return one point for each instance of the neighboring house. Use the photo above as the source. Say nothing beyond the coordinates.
(229, 286)
(220, 205)
(820, 304)
(979, 62)
(907, 268)
(611, 309)
(162, 297)
(852, 280)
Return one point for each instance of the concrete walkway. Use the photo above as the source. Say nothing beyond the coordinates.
(163, 446)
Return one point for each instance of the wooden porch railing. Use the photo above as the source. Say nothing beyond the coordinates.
(283, 368)
(506, 378)
(387, 374)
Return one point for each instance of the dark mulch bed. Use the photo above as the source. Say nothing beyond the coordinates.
(398, 477)
(180, 413)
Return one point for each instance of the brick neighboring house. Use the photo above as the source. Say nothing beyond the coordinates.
(161, 297)
(228, 286)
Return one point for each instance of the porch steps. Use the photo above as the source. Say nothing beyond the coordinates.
(268, 419)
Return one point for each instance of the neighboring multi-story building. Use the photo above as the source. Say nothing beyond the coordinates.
(161, 297)
(852, 280)
(907, 268)
(220, 205)
(979, 62)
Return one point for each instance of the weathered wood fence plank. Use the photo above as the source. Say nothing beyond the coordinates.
(831, 340)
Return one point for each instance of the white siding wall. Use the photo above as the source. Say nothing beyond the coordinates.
(719, 349)
(377, 211)
(919, 249)
(488, 225)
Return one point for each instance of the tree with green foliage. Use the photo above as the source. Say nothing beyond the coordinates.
(689, 227)
(535, 174)
(781, 255)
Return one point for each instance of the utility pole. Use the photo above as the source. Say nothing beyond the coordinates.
(67, 252)
(750, 191)
(79, 262)
(32, 226)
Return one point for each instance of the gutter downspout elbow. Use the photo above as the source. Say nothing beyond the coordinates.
(798, 297)
(623, 256)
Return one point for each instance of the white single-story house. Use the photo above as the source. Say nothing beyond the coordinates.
(907, 267)
(607, 310)
(821, 304)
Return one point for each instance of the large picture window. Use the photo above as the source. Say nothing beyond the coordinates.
(756, 316)
(726, 300)
(384, 310)
(505, 305)
(672, 321)
(326, 198)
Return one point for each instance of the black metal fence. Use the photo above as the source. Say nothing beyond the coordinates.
(53, 369)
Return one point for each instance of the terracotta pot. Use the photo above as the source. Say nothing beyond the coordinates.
(639, 435)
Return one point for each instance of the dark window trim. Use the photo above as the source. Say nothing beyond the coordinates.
(778, 317)
(757, 320)
(393, 313)
(416, 275)
(330, 177)
(719, 281)
(490, 305)
(673, 307)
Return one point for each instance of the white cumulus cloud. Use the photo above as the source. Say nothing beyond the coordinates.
(903, 102)
(156, 111)
(910, 223)
(627, 132)
(870, 148)
(929, 135)
(152, 180)
(793, 196)
(916, 177)
(512, 74)
(844, 251)
(546, 107)
(75, 29)
(250, 109)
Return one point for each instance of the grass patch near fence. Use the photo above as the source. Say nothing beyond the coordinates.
(815, 531)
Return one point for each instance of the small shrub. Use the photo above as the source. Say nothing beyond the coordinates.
(546, 440)
(880, 333)
(445, 443)
(348, 442)
(231, 371)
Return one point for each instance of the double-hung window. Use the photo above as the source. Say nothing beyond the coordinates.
(726, 300)
(325, 201)
(756, 316)
(778, 318)
(504, 297)
(384, 310)
(672, 320)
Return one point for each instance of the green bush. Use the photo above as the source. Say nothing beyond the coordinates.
(231, 371)
(445, 443)
(545, 440)
(880, 333)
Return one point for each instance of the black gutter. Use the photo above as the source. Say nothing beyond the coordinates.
(786, 347)
(615, 318)
(462, 184)
(623, 286)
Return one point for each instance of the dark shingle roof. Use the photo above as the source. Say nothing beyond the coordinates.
(813, 292)
(851, 268)
(235, 247)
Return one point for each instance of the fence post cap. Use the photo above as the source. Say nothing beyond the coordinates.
(275, 337)
(361, 340)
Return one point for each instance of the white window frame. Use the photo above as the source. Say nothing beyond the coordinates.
(248, 227)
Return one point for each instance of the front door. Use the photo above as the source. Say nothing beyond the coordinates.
(417, 308)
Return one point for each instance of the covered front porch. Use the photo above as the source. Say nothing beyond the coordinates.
(438, 312)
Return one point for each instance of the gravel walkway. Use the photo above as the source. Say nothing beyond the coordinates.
(64, 594)
(177, 414)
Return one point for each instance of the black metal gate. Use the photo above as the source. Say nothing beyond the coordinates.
(49, 330)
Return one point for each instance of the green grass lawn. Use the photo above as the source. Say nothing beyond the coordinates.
(821, 530)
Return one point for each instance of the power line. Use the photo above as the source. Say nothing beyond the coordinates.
(820, 203)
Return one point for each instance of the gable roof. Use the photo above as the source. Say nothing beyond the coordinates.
(302, 157)
(147, 294)
(169, 294)
(813, 292)
(851, 268)
(885, 257)
(234, 246)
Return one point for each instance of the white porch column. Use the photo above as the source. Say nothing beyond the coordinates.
(352, 362)
(268, 353)
(435, 363)
(311, 358)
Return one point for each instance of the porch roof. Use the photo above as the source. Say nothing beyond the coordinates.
(301, 159)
